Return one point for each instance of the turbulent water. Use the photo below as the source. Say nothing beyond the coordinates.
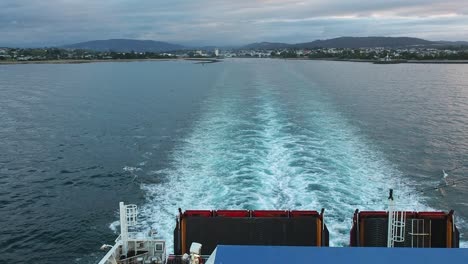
(241, 134)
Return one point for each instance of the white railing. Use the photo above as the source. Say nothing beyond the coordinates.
(398, 226)
(133, 259)
(111, 256)
(420, 235)
(131, 212)
(396, 223)
(134, 242)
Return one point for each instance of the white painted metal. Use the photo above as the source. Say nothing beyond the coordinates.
(128, 217)
(195, 253)
(195, 248)
(112, 255)
(396, 223)
(142, 248)
(131, 212)
(390, 222)
(123, 228)
(399, 226)
(420, 238)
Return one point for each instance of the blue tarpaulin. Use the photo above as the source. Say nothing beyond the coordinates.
(285, 254)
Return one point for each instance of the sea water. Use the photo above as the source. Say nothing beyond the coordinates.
(240, 134)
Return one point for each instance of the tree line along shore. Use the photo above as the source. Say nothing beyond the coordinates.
(375, 55)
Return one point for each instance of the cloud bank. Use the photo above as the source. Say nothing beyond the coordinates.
(223, 22)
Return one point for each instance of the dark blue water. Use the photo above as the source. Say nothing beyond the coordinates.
(272, 134)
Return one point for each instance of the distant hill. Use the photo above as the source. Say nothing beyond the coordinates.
(126, 45)
(347, 42)
(452, 43)
(365, 42)
(267, 45)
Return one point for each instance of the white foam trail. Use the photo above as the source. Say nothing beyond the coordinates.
(254, 152)
(131, 169)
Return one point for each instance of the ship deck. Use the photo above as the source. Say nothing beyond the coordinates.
(336, 255)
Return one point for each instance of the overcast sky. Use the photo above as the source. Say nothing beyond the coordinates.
(227, 22)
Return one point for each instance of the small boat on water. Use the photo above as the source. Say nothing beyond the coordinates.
(199, 234)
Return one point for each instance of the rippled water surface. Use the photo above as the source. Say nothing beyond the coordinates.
(241, 134)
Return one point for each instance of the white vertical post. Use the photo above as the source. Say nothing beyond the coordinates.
(390, 224)
(390, 220)
(123, 228)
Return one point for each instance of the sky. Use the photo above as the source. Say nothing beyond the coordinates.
(227, 22)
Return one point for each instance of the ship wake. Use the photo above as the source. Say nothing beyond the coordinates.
(253, 148)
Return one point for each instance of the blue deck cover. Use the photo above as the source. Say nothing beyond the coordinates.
(342, 255)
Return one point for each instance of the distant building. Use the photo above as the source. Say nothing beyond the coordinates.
(25, 58)
(216, 52)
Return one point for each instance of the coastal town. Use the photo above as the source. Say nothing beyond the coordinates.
(13, 55)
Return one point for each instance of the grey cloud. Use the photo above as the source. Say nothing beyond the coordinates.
(227, 22)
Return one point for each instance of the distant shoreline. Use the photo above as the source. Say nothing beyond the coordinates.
(395, 62)
(214, 60)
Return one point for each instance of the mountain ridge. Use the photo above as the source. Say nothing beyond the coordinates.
(364, 42)
(125, 45)
(355, 42)
(267, 45)
(129, 45)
